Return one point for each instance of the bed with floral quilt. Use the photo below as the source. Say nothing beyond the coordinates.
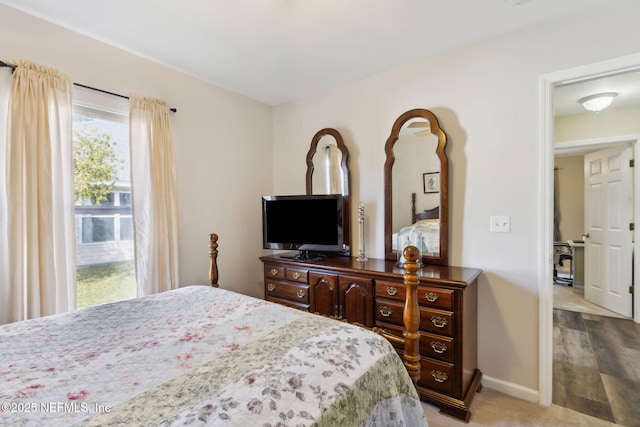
(200, 356)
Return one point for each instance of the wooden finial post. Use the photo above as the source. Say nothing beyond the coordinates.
(413, 208)
(213, 255)
(411, 315)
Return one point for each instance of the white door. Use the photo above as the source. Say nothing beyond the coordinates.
(608, 239)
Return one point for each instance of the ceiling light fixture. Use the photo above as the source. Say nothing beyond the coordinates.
(597, 102)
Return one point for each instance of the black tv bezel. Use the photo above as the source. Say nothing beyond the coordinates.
(340, 247)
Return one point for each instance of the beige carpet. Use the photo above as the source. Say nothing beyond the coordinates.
(491, 408)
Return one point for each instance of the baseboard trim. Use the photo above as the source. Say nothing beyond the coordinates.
(511, 389)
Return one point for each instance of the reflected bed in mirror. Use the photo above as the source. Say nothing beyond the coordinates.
(416, 186)
(423, 232)
(328, 172)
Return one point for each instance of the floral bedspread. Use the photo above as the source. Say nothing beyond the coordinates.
(200, 356)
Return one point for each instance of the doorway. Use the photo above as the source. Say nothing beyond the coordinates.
(547, 84)
(606, 268)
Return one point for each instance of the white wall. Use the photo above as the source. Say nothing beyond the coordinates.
(610, 122)
(569, 185)
(221, 142)
(486, 98)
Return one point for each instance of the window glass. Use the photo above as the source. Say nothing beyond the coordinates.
(110, 199)
(125, 199)
(97, 229)
(104, 219)
(126, 228)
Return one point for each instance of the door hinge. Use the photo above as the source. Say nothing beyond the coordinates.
(632, 163)
(632, 226)
(631, 289)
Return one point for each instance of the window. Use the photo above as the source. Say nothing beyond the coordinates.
(125, 199)
(101, 222)
(104, 218)
(110, 200)
(97, 229)
(126, 228)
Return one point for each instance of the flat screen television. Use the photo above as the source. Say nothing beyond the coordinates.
(305, 223)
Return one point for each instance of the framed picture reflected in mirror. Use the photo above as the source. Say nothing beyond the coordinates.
(431, 182)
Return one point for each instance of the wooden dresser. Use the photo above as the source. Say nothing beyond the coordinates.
(372, 293)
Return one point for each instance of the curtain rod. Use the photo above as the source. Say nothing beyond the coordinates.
(173, 110)
(5, 65)
(13, 68)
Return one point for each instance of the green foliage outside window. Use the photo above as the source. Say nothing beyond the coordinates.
(96, 165)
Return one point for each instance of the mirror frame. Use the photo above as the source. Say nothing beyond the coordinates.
(344, 165)
(443, 258)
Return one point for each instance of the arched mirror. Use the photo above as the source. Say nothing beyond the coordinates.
(416, 186)
(328, 171)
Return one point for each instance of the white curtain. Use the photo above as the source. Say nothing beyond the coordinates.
(334, 157)
(154, 195)
(40, 259)
(5, 87)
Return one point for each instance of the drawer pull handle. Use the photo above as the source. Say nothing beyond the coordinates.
(386, 311)
(301, 293)
(439, 322)
(431, 297)
(296, 275)
(271, 287)
(391, 290)
(274, 271)
(438, 347)
(439, 376)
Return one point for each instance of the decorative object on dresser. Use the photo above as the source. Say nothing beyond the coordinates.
(373, 293)
(362, 256)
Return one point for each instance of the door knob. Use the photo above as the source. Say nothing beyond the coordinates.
(585, 236)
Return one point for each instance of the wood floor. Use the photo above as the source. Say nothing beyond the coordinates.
(596, 366)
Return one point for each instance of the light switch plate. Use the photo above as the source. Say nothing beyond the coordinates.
(500, 224)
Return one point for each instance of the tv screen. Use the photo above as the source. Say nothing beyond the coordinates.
(304, 223)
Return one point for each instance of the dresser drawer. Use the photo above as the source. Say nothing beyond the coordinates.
(437, 347)
(427, 296)
(436, 321)
(394, 330)
(288, 291)
(431, 320)
(435, 297)
(388, 289)
(389, 311)
(296, 274)
(431, 345)
(273, 272)
(436, 375)
(292, 304)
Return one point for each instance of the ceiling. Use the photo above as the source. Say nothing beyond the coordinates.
(276, 51)
(625, 84)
